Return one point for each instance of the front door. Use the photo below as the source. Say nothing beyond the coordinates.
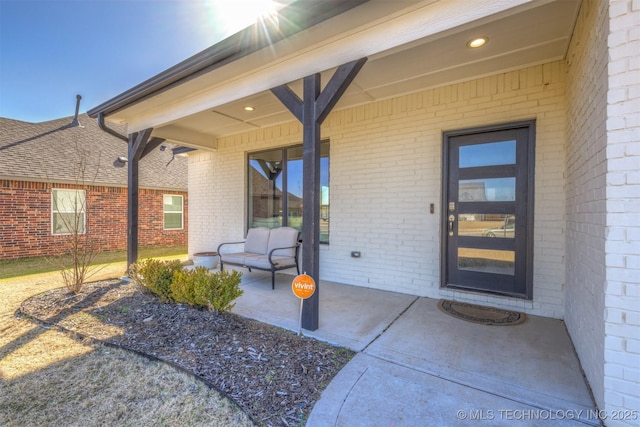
(488, 210)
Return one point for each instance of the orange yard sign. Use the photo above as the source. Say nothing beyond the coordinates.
(303, 286)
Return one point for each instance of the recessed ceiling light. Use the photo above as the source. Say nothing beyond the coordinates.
(249, 108)
(477, 42)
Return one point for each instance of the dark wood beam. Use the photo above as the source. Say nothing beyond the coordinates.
(336, 87)
(311, 199)
(137, 144)
(290, 100)
(312, 110)
(151, 145)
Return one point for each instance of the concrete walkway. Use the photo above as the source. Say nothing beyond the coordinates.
(418, 366)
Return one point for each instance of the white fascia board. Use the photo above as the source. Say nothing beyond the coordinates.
(419, 21)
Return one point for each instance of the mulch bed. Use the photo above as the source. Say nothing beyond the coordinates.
(274, 375)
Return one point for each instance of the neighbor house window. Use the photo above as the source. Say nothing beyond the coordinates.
(173, 216)
(68, 209)
(275, 189)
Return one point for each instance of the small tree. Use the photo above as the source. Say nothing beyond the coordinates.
(81, 249)
(69, 220)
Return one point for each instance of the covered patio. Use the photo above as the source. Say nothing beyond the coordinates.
(415, 363)
(357, 122)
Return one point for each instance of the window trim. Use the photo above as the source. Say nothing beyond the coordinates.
(55, 211)
(164, 222)
(284, 149)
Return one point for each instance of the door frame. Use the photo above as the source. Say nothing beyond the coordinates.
(530, 125)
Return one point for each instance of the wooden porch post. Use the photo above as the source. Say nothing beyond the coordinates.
(312, 111)
(139, 146)
(310, 200)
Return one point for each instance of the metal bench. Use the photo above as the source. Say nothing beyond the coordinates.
(264, 249)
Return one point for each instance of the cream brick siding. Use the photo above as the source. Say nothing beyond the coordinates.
(603, 203)
(201, 174)
(586, 180)
(622, 263)
(385, 171)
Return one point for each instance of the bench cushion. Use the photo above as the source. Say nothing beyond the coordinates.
(257, 240)
(262, 262)
(283, 237)
(236, 257)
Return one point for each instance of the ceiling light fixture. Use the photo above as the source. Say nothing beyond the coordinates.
(477, 42)
(249, 108)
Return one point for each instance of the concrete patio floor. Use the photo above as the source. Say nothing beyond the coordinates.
(418, 366)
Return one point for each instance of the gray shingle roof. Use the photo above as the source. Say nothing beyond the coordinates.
(52, 151)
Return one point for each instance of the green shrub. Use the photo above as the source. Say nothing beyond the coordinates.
(198, 287)
(156, 276)
(220, 290)
(183, 287)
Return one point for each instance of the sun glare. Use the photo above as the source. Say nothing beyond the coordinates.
(231, 16)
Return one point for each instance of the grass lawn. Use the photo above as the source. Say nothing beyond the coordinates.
(51, 378)
(27, 266)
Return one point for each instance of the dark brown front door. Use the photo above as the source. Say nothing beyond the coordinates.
(488, 209)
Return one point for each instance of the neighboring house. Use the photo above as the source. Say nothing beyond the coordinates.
(545, 115)
(49, 168)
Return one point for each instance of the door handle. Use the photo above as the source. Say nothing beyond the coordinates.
(451, 220)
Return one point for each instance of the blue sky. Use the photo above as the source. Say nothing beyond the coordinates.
(51, 50)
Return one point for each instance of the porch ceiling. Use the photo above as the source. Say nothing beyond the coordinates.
(531, 33)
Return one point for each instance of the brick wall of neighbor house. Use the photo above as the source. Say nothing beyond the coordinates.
(25, 211)
(622, 303)
(385, 171)
(586, 179)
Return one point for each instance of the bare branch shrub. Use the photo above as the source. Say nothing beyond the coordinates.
(70, 222)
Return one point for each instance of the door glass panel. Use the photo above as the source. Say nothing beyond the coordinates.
(487, 190)
(487, 225)
(265, 189)
(489, 154)
(486, 260)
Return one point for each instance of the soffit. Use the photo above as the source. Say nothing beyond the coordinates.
(212, 105)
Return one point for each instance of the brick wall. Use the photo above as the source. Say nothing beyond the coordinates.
(25, 219)
(586, 205)
(385, 172)
(622, 273)
(201, 226)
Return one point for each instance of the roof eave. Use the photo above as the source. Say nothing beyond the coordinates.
(303, 13)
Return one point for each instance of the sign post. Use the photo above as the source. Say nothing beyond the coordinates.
(303, 286)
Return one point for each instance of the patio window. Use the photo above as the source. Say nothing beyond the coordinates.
(275, 189)
(173, 212)
(68, 211)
